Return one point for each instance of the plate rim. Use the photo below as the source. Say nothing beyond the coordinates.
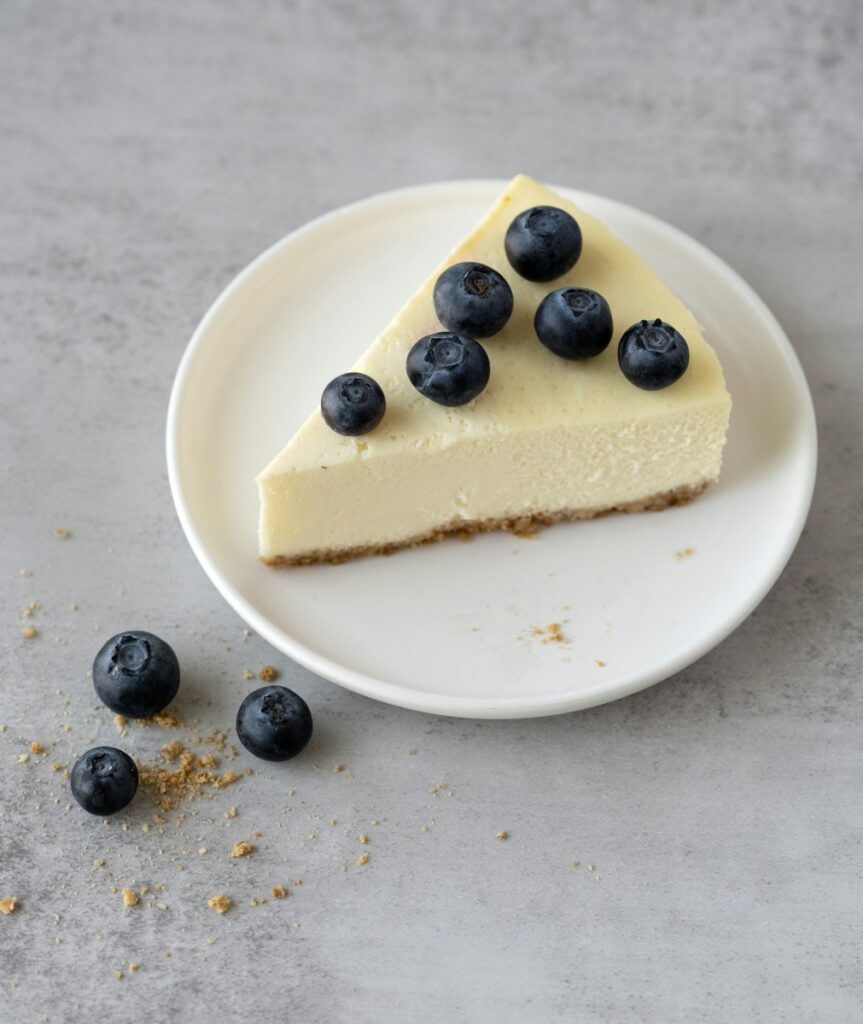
(486, 707)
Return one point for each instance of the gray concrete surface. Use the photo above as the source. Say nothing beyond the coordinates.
(148, 152)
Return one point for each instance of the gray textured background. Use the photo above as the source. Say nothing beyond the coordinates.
(148, 152)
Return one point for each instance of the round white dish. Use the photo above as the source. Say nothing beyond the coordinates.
(452, 628)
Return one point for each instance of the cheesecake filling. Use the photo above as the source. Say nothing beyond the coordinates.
(548, 439)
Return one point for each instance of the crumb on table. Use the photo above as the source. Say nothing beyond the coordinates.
(220, 903)
(9, 905)
(502, 836)
(242, 849)
(280, 892)
(130, 898)
(268, 674)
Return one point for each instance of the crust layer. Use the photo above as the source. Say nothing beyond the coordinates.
(522, 526)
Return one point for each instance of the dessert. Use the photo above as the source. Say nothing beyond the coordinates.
(547, 418)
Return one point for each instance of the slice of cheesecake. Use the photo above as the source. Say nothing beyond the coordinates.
(549, 439)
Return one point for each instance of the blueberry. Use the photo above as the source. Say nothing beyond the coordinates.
(652, 355)
(543, 242)
(353, 404)
(274, 723)
(136, 674)
(472, 299)
(104, 780)
(574, 323)
(450, 369)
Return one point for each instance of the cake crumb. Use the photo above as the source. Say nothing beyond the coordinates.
(73, 606)
(118, 975)
(164, 720)
(130, 898)
(338, 768)
(550, 634)
(186, 776)
(36, 747)
(600, 663)
(217, 739)
(99, 862)
(133, 967)
(502, 836)
(29, 632)
(62, 533)
(220, 903)
(229, 777)
(412, 751)
(9, 905)
(684, 553)
(363, 858)
(279, 892)
(363, 838)
(242, 849)
(268, 674)
(171, 751)
(574, 863)
(120, 723)
(231, 812)
(23, 758)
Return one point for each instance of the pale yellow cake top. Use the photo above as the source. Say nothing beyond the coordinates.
(529, 387)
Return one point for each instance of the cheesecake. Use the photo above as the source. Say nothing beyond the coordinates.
(547, 439)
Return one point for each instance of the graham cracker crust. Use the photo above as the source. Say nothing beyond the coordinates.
(521, 526)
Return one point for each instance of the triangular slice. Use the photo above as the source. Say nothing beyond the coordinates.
(548, 440)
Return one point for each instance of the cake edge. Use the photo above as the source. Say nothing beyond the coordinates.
(521, 526)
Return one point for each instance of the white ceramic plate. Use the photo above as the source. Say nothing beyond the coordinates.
(449, 628)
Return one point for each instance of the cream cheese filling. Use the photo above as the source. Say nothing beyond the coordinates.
(546, 435)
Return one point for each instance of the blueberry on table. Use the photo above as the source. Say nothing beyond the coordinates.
(574, 323)
(136, 674)
(274, 723)
(472, 299)
(652, 354)
(542, 243)
(353, 404)
(104, 780)
(450, 369)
